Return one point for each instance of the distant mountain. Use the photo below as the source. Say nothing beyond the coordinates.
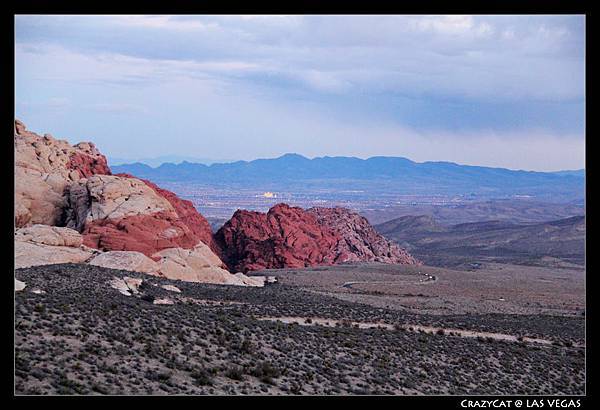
(497, 241)
(165, 159)
(376, 174)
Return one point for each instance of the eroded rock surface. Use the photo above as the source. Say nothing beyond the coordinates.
(46, 245)
(126, 260)
(199, 264)
(44, 168)
(187, 214)
(359, 240)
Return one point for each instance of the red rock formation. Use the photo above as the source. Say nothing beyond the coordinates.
(290, 237)
(143, 233)
(283, 237)
(187, 213)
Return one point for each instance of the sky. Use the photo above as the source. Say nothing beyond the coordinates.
(505, 91)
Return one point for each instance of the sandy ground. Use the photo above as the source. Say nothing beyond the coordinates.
(494, 288)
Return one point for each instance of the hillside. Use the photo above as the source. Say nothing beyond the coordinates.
(500, 241)
(509, 210)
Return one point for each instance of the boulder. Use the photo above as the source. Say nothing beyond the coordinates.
(19, 285)
(46, 245)
(125, 260)
(126, 286)
(198, 264)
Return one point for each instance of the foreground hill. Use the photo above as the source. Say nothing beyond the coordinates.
(81, 329)
(489, 240)
(376, 174)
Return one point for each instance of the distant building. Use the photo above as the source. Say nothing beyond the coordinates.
(269, 195)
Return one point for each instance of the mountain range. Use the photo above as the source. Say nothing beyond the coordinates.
(375, 174)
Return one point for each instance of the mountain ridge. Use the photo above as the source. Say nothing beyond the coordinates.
(377, 174)
(492, 240)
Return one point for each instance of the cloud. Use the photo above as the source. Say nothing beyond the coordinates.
(479, 56)
(312, 81)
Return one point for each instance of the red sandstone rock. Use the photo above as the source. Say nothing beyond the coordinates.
(290, 237)
(147, 234)
(88, 165)
(283, 237)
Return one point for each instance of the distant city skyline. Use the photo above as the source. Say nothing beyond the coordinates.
(502, 91)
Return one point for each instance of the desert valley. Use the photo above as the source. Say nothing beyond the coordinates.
(123, 287)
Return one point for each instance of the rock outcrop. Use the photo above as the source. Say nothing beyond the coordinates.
(199, 264)
(290, 237)
(187, 214)
(125, 214)
(46, 245)
(73, 210)
(283, 237)
(82, 214)
(44, 167)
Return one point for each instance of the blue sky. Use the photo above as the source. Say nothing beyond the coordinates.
(487, 90)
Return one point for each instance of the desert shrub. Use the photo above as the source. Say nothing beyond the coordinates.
(234, 373)
(202, 377)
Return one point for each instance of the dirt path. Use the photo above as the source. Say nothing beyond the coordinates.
(313, 321)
